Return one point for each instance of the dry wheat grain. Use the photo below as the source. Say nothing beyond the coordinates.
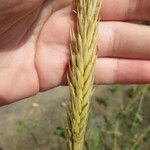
(81, 68)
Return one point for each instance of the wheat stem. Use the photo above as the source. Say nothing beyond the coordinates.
(81, 68)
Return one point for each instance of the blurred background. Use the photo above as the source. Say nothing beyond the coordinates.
(119, 120)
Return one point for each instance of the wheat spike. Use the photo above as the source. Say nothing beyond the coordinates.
(81, 68)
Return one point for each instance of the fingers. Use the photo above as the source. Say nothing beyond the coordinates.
(52, 69)
(125, 10)
(117, 9)
(124, 40)
(109, 70)
(116, 39)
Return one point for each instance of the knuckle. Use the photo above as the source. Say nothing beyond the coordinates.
(116, 41)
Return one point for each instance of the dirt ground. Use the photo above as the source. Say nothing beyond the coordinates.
(37, 123)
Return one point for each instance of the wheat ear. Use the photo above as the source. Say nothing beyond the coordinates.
(81, 68)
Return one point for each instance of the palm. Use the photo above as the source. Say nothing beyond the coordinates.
(34, 45)
(34, 63)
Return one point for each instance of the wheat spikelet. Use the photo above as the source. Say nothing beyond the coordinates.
(80, 76)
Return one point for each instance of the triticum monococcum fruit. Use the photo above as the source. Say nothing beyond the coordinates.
(81, 68)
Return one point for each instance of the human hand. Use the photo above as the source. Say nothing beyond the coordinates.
(34, 49)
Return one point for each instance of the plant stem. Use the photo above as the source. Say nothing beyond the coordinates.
(139, 107)
(135, 97)
(116, 133)
(140, 138)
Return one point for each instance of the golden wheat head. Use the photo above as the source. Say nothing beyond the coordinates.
(81, 68)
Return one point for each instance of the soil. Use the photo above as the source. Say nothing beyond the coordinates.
(38, 123)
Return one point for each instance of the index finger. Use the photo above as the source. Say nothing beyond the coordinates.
(126, 10)
(117, 9)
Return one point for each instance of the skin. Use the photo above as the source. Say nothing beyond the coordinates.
(34, 45)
